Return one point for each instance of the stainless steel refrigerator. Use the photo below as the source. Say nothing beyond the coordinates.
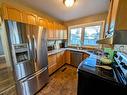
(28, 48)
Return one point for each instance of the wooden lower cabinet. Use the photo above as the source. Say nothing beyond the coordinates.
(52, 64)
(67, 57)
(55, 62)
(60, 59)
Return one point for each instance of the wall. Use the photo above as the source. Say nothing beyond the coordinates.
(21, 5)
(93, 18)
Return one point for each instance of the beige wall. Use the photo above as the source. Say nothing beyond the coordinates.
(23, 6)
(93, 18)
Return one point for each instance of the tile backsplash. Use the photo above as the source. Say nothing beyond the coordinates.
(122, 48)
(55, 44)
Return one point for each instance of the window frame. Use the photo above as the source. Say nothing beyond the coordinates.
(102, 23)
(69, 33)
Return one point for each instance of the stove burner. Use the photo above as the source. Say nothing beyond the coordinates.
(125, 66)
(121, 69)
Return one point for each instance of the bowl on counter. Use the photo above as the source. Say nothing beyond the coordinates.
(106, 61)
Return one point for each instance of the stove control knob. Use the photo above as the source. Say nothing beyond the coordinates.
(126, 75)
(122, 63)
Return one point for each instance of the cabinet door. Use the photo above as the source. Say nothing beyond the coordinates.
(56, 31)
(61, 34)
(50, 31)
(67, 58)
(12, 13)
(52, 64)
(60, 59)
(65, 34)
(40, 21)
(32, 18)
(29, 18)
(121, 15)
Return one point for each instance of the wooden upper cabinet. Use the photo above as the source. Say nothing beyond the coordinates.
(108, 21)
(29, 18)
(40, 21)
(32, 18)
(61, 32)
(50, 30)
(121, 19)
(45, 23)
(65, 34)
(117, 16)
(55, 30)
(113, 14)
(11, 13)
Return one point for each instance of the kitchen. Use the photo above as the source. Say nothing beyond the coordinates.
(63, 47)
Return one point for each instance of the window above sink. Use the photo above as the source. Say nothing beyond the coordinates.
(85, 35)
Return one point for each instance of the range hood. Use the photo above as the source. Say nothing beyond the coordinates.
(118, 37)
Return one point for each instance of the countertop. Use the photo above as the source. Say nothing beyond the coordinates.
(98, 79)
(94, 66)
(71, 49)
(56, 51)
(91, 64)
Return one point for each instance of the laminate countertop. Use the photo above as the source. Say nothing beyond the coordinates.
(70, 49)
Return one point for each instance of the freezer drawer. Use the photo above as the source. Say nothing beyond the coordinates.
(33, 84)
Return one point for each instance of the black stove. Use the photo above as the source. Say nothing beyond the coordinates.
(120, 67)
(92, 78)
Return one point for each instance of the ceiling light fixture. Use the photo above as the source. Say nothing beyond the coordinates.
(69, 3)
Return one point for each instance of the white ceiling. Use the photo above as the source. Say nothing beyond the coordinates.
(57, 9)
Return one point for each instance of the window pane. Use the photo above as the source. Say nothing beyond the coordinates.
(75, 36)
(91, 35)
(1, 48)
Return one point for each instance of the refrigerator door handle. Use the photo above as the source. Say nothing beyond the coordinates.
(39, 72)
(35, 49)
(30, 46)
(33, 76)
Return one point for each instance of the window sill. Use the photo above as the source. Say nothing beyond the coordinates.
(84, 47)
